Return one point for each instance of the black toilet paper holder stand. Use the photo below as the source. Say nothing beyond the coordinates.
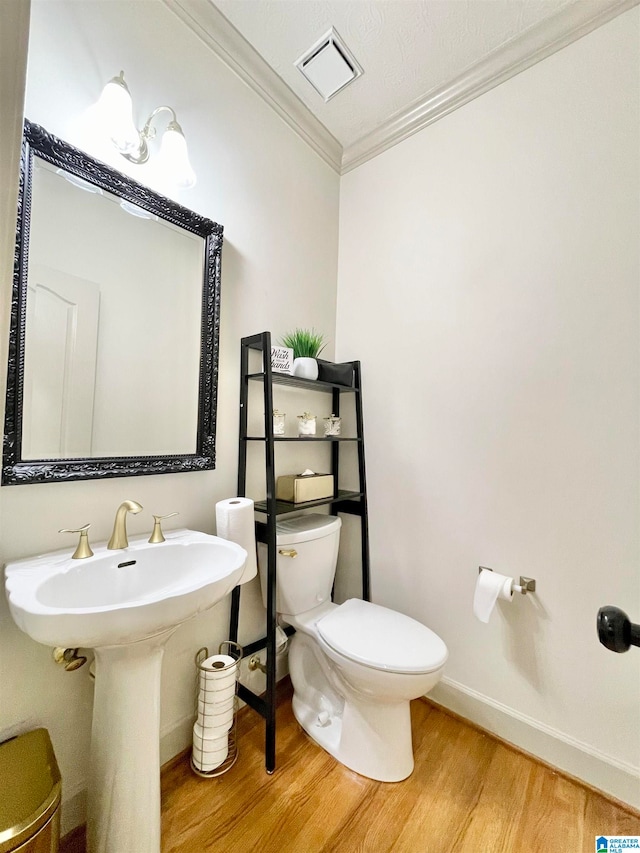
(524, 586)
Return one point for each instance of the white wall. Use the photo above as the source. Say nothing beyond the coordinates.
(278, 203)
(14, 35)
(488, 281)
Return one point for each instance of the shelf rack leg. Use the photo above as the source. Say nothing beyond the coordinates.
(270, 728)
(266, 708)
(364, 518)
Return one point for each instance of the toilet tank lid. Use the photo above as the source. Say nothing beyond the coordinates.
(304, 528)
(381, 638)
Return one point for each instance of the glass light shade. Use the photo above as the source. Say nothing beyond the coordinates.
(115, 111)
(173, 159)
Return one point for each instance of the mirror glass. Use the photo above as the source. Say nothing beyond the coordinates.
(115, 324)
(111, 347)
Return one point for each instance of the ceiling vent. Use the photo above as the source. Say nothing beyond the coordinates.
(329, 65)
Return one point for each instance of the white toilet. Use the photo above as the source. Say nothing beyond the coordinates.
(354, 666)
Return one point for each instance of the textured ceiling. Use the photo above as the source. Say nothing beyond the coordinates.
(406, 47)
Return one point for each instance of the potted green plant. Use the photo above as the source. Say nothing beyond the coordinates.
(306, 345)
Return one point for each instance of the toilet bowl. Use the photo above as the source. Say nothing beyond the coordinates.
(354, 667)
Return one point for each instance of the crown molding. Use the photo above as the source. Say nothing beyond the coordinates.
(516, 55)
(222, 38)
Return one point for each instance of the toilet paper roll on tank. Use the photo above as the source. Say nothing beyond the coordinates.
(491, 587)
(235, 521)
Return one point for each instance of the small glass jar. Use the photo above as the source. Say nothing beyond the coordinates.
(332, 425)
(278, 422)
(306, 424)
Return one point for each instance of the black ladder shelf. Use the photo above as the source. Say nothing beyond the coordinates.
(342, 501)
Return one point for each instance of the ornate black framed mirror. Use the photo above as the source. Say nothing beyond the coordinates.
(113, 347)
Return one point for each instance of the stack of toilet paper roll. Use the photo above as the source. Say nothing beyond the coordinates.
(216, 708)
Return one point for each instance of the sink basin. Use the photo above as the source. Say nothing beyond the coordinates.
(125, 604)
(119, 597)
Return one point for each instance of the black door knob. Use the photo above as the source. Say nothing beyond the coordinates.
(615, 631)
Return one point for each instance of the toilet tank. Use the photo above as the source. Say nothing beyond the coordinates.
(304, 576)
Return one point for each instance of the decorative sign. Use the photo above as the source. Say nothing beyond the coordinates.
(282, 360)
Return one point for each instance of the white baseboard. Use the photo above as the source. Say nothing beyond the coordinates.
(73, 811)
(175, 738)
(616, 778)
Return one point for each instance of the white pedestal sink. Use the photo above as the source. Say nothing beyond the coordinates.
(125, 604)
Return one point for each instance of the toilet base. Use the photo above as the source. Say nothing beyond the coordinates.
(372, 740)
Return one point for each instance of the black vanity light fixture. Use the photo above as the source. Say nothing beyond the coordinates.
(114, 112)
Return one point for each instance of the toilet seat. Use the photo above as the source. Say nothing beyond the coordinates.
(381, 638)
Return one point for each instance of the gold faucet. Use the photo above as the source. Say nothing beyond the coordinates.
(119, 536)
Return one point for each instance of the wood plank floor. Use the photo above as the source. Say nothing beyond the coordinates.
(468, 793)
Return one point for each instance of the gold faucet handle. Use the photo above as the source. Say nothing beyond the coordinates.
(84, 549)
(157, 535)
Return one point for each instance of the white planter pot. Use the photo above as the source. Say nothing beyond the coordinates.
(305, 368)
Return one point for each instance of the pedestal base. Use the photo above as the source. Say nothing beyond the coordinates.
(124, 785)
